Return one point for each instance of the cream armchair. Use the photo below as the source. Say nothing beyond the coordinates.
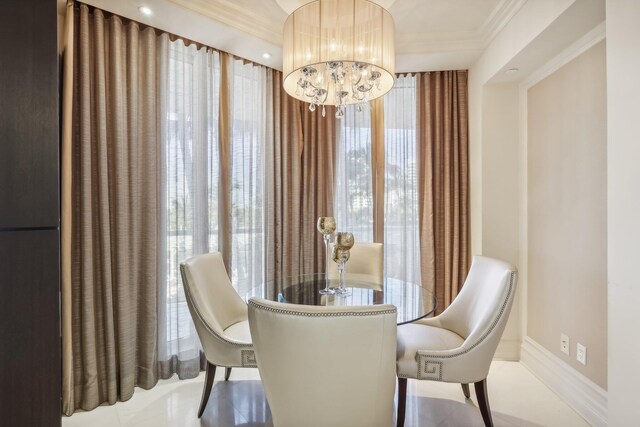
(219, 315)
(365, 265)
(458, 345)
(326, 366)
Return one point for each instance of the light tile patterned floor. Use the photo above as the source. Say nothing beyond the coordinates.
(517, 399)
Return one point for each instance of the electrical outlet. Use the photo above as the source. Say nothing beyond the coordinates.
(564, 344)
(581, 354)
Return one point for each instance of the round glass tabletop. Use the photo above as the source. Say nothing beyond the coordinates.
(412, 301)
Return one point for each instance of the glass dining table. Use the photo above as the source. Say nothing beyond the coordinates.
(412, 300)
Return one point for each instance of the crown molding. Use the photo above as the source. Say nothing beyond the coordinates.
(249, 21)
(437, 42)
(501, 15)
(461, 40)
(235, 16)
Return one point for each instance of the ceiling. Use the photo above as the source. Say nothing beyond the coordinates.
(430, 34)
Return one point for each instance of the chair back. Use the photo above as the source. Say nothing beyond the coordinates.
(480, 311)
(365, 265)
(326, 366)
(213, 302)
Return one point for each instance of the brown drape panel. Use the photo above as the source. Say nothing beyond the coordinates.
(300, 167)
(225, 127)
(114, 202)
(66, 211)
(378, 167)
(443, 186)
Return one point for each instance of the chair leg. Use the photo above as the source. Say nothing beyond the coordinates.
(402, 401)
(483, 402)
(465, 390)
(227, 373)
(208, 383)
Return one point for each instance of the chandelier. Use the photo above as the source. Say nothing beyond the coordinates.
(338, 52)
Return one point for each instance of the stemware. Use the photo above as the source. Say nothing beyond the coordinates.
(340, 254)
(326, 226)
(344, 240)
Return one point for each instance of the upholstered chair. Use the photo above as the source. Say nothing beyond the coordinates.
(219, 315)
(458, 345)
(326, 366)
(365, 265)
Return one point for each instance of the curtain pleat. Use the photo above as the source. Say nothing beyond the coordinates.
(443, 182)
(66, 210)
(225, 129)
(378, 168)
(318, 170)
(300, 162)
(114, 236)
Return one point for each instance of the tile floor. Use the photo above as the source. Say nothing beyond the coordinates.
(517, 399)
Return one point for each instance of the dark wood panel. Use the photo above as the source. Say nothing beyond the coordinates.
(29, 329)
(28, 114)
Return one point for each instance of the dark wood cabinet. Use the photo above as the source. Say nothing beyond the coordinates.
(30, 367)
(29, 332)
(29, 142)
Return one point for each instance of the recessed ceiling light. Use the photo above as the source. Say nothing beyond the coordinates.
(145, 10)
(266, 55)
(512, 71)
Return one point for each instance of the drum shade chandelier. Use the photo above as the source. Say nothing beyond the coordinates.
(338, 52)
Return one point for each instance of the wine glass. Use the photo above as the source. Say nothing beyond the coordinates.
(340, 256)
(326, 226)
(344, 241)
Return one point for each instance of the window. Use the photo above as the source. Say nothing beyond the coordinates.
(353, 197)
(401, 221)
(353, 202)
(247, 189)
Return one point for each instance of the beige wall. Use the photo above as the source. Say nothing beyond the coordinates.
(567, 211)
(500, 192)
(530, 21)
(623, 173)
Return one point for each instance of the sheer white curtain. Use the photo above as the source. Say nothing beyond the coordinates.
(353, 200)
(188, 123)
(401, 222)
(247, 176)
(353, 193)
(189, 179)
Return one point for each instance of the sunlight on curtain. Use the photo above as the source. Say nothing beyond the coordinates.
(353, 200)
(189, 88)
(401, 235)
(247, 176)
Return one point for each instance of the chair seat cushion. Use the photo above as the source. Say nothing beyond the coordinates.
(239, 332)
(414, 337)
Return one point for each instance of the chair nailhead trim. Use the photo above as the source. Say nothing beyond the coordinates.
(322, 314)
(431, 371)
(248, 359)
(419, 356)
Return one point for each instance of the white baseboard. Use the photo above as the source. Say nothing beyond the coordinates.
(508, 350)
(583, 395)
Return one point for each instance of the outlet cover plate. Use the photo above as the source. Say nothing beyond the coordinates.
(564, 344)
(581, 354)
